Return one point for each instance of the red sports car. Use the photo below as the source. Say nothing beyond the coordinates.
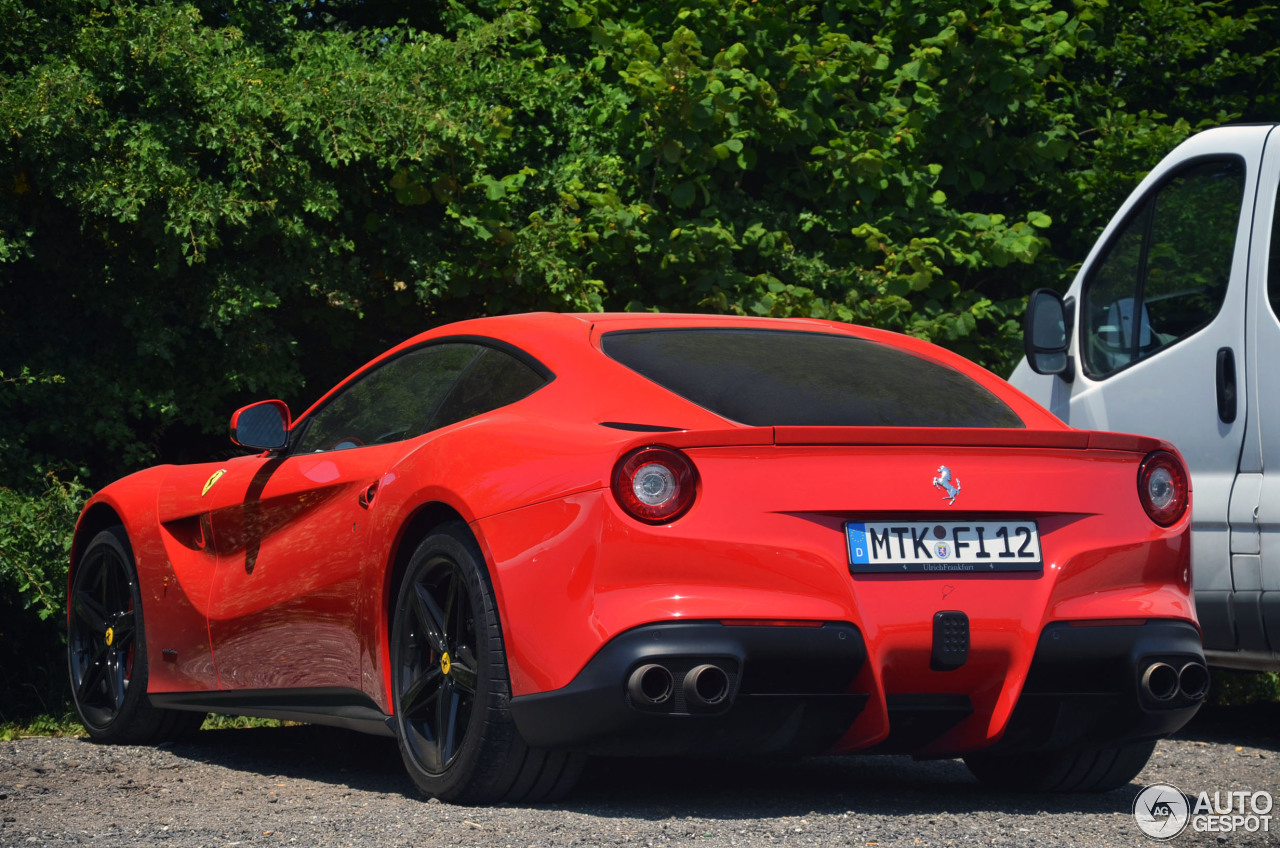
(513, 542)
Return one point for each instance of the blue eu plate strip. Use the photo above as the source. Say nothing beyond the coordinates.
(857, 536)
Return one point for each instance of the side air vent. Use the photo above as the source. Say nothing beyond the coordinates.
(640, 428)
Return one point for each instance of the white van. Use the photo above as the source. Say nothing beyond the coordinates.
(1170, 329)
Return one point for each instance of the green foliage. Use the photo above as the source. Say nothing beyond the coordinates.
(208, 203)
(782, 160)
(42, 725)
(1154, 72)
(35, 547)
(217, 721)
(35, 544)
(1238, 688)
(67, 724)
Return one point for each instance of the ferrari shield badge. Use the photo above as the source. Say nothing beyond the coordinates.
(213, 478)
(945, 482)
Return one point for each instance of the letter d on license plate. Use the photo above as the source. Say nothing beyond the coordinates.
(943, 546)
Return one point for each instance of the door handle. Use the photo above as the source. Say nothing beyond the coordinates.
(1226, 381)
(367, 495)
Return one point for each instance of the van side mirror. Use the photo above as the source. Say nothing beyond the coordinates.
(263, 425)
(1046, 334)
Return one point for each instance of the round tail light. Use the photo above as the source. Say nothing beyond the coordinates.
(654, 484)
(1163, 487)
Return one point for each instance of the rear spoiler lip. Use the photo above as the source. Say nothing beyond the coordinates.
(942, 436)
(798, 436)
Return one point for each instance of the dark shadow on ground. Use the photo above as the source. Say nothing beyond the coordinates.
(662, 787)
(658, 788)
(881, 784)
(1252, 725)
(305, 751)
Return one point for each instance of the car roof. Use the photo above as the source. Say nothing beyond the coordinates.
(568, 344)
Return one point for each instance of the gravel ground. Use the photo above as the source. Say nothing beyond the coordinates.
(318, 786)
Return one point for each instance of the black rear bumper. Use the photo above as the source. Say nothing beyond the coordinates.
(787, 691)
(1085, 686)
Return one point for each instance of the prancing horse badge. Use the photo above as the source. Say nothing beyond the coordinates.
(944, 481)
(213, 478)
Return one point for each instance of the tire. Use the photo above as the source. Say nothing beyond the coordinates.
(107, 650)
(1089, 769)
(450, 685)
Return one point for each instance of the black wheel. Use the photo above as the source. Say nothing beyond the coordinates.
(451, 687)
(106, 651)
(1086, 769)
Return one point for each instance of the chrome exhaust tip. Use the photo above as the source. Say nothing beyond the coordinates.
(706, 685)
(651, 685)
(1193, 681)
(1160, 681)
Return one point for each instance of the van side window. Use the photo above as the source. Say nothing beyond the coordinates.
(1273, 262)
(1164, 274)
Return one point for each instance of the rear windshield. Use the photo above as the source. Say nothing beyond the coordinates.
(769, 378)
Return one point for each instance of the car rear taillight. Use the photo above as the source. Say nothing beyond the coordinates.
(1162, 487)
(654, 484)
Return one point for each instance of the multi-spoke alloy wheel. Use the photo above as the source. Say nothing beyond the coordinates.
(450, 685)
(437, 664)
(106, 651)
(101, 632)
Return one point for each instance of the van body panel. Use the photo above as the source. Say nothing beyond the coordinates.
(1175, 334)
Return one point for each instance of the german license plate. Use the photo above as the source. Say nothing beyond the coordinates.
(943, 546)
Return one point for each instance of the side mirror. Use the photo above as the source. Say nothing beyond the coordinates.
(1046, 334)
(263, 425)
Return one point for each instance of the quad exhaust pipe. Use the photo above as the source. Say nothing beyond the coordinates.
(706, 686)
(651, 685)
(1193, 681)
(1162, 682)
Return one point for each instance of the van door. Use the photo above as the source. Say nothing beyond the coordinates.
(1159, 347)
(1255, 518)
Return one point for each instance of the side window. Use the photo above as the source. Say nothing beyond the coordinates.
(1165, 274)
(394, 401)
(1273, 262)
(494, 379)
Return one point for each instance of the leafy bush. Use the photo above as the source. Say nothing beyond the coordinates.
(264, 196)
(1238, 688)
(35, 543)
(64, 724)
